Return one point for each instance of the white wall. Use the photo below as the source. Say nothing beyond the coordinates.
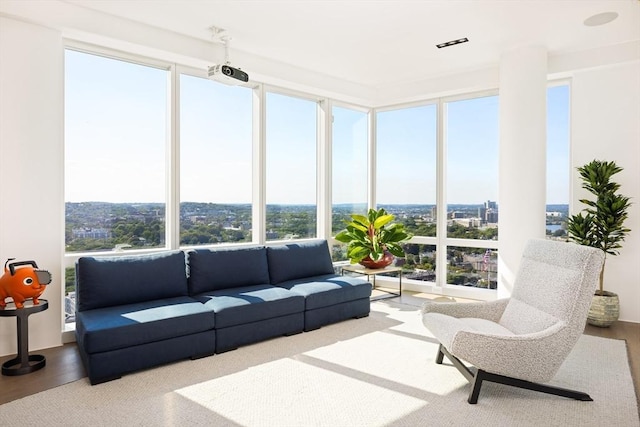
(605, 125)
(31, 167)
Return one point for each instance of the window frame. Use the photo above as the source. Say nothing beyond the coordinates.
(320, 147)
(175, 183)
(441, 241)
(551, 84)
(170, 168)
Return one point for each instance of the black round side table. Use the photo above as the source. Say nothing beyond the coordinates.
(23, 363)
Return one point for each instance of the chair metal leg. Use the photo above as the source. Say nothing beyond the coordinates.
(480, 376)
(476, 384)
(458, 364)
(542, 388)
(440, 355)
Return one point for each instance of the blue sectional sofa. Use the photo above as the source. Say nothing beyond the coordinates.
(136, 312)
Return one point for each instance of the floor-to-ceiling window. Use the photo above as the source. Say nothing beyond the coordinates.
(349, 171)
(215, 162)
(291, 157)
(115, 154)
(407, 179)
(443, 187)
(115, 139)
(558, 165)
(471, 187)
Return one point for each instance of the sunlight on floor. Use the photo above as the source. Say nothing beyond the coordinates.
(290, 392)
(376, 376)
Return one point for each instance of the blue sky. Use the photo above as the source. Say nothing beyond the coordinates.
(216, 142)
(115, 136)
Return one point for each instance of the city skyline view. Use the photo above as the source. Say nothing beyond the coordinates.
(106, 226)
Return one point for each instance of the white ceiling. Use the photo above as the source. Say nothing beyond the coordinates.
(375, 43)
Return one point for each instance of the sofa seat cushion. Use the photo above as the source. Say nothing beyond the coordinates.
(216, 269)
(111, 328)
(237, 306)
(329, 289)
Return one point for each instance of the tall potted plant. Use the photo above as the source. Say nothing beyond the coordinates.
(601, 225)
(372, 240)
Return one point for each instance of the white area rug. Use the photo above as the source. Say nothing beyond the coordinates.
(376, 371)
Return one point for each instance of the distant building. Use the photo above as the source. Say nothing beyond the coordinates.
(90, 233)
(489, 212)
(469, 222)
(271, 235)
(195, 219)
(482, 212)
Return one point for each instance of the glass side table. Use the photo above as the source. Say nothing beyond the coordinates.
(359, 269)
(23, 363)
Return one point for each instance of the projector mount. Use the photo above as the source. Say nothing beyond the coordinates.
(225, 73)
(219, 35)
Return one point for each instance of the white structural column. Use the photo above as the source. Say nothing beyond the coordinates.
(522, 189)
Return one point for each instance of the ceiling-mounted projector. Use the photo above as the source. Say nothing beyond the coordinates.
(227, 74)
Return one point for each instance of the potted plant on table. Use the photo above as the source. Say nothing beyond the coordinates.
(371, 240)
(602, 227)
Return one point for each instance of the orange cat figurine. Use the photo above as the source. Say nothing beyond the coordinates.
(22, 283)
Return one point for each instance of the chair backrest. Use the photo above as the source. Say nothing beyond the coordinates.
(555, 283)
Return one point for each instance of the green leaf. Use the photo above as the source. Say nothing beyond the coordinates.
(357, 254)
(396, 250)
(377, 254)
(344, 236)
(382, 221)
(358, 226)
(360, 219)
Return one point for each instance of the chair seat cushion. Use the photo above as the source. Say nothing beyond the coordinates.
(329, 289)
(445, 328)
(111, 328)
(237, 306)
(485, 326)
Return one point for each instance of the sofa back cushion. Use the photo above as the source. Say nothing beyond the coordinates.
(111, 281)
(214, 269)
(299, 260)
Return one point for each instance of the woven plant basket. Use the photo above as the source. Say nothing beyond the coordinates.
(604, 310)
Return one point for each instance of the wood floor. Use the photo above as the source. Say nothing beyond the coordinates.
(64, 364)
